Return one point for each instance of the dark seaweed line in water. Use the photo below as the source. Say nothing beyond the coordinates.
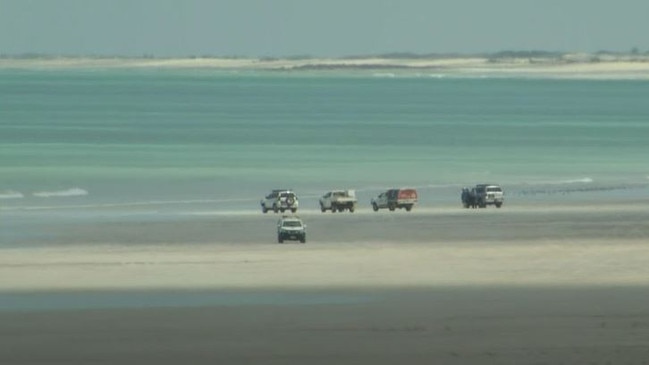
(588, 189)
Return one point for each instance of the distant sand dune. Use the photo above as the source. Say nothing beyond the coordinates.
(573, 66)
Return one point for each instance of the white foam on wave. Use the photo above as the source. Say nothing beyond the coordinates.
(9, 194)
(61, 193)
(133, 204)
(437, 186)
(585, 180)
(388, 75)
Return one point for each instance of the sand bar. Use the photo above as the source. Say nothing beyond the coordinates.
(590, 245)
(566, 66)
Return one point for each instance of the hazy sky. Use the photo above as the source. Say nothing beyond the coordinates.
(319, 27)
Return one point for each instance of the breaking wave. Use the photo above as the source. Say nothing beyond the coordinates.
(388, 75)
(61, 193)
(11, 195)
(585, 180)
(131, 204)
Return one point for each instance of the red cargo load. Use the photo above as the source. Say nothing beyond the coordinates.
(407, 194)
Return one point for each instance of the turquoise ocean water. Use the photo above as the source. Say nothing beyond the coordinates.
(124, 140)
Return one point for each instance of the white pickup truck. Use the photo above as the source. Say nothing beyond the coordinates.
(338, 200)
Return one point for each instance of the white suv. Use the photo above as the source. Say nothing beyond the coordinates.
(291, 228)
(280, 200)
(489, 194)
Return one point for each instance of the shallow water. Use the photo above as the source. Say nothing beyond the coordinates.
(118, 142)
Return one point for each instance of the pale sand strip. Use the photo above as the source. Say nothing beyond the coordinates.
(581, 245)
(323, 265)
(620, 67)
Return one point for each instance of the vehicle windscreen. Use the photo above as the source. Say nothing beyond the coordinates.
(292, 224)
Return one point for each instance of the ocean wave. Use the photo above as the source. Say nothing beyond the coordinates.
(9, 194)
(388, 75)
(61, 193)
(132, 204)
(584, 180)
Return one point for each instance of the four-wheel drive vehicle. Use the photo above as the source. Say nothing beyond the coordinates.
(338, 200)
(280, 200)
(395, 198)
(489, 194)
(291, 228)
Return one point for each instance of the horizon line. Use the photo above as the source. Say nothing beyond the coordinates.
(387, 55)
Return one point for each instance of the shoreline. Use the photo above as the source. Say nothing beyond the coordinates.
(526, 285)
(592, 245)
(567, 66)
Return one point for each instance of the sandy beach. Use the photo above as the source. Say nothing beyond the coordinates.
(571, 66)
(524, 285)
(149, 150)
(516, 246)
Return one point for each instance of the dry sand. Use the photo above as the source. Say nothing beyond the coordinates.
(518, 285)
(577, 66)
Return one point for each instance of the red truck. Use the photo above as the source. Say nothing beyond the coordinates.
(395, 198)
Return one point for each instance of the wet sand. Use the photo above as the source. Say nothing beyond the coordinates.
(518, 285)
(436, 325)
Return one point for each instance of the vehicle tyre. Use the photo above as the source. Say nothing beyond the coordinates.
(303, 239)
(351, 209)
(375, 207)
(290, 201)
(391, 207)
(341, 209)
(275, 208)
(263, 209)
(333, 209)
(280, 239)
(408, 208)
(498, 205)
(293, 210)
(322, 208)
(282, 210)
